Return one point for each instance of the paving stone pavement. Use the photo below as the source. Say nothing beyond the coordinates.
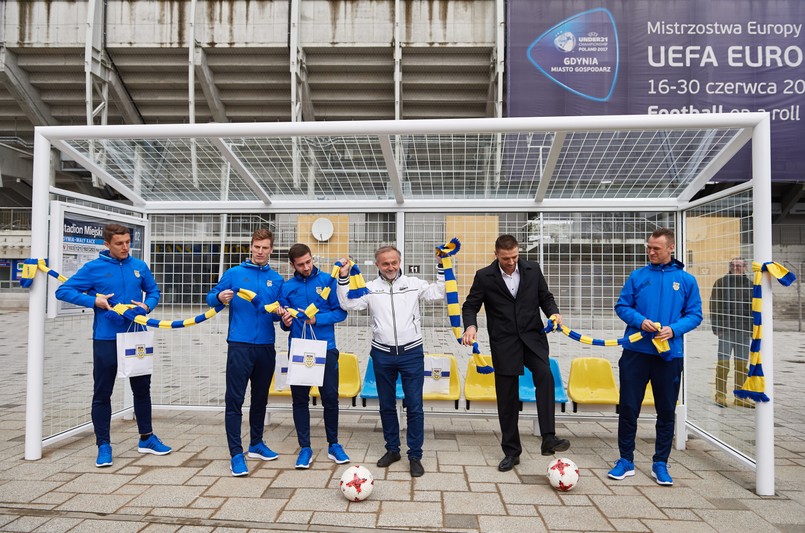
(192, 490)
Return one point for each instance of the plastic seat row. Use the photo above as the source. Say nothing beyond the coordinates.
(481, 387)
(349, 381)
(592, 382)
(477, 387)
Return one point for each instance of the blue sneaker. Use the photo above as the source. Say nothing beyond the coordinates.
(304, 459)
(261, 451)
(337, 454)
(238, 466)
(659, 471)
(104, 455)
(622, 469)
(153, 445)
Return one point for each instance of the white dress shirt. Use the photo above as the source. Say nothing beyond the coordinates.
(513, 281)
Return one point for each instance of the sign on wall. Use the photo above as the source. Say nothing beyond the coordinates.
(659, 57)
(76, 237)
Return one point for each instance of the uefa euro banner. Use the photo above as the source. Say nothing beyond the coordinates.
(658, 57)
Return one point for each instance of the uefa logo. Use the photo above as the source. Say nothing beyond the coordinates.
(565, 42)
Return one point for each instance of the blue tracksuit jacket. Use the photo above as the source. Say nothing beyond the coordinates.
(665, 294)
(299, 292)
(247, 323)
(127, 279)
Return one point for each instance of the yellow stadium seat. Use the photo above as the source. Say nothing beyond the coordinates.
(349, 379)
(648, 399)
(592, 382)
(455, 384)
(274, 393)
(479, 387)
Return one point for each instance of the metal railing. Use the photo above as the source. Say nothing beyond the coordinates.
(15, 218)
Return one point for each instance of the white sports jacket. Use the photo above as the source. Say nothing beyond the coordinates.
(394, 308)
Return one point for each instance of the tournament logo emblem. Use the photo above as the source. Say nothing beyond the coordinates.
(136, 273)
(268, 283)
(309, 359)
(139, 351)
(436, 374)
(565, 42)
(318, 290)
(580, 54)
(676, 285)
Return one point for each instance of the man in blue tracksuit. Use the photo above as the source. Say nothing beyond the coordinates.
(115, 277)
(659, 293)
(250, 354)
(298, 292)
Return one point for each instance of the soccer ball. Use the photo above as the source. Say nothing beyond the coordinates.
(563, 474)
(356, 483)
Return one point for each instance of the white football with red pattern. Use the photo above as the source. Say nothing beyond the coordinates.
(563, 474)
(356, 483)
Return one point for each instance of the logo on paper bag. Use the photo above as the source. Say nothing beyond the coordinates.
(436, 373)
(581, 54)
(309, 359)
(139, 351)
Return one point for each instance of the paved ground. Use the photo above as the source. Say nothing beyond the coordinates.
(191, 489)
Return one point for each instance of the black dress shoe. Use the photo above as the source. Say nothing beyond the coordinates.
(388, 458)
(552, 444)
(508, 463)
(416, 467)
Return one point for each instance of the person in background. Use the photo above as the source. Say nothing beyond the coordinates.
(731, 320)
(250, 355)
(298, 292)
(662, 300)
(115, 277)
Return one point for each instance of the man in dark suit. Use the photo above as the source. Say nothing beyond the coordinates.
(513, 291)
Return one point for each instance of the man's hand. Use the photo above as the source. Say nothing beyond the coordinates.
(557, 319)
(141, 304)
(665, 333)
(102, 301)
(649, 326)
(470, 335)
(344, 272)
(287, 318)
(226, 296)
(311, 320)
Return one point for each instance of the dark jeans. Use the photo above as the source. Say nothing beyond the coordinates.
(411, 367)
(247, 362)
(636, 369)
(104, 372)
(329, 401)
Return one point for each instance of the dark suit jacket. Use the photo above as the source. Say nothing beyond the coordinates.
(512, 323)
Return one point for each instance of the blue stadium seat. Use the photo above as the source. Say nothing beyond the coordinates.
(528, 392)
(559, 394)
(369, 389)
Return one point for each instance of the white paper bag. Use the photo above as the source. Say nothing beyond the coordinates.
(135, 353)
(306, 361)
(437, 375)
(281, 372)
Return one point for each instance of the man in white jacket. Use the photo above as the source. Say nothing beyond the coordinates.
(393, 304)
